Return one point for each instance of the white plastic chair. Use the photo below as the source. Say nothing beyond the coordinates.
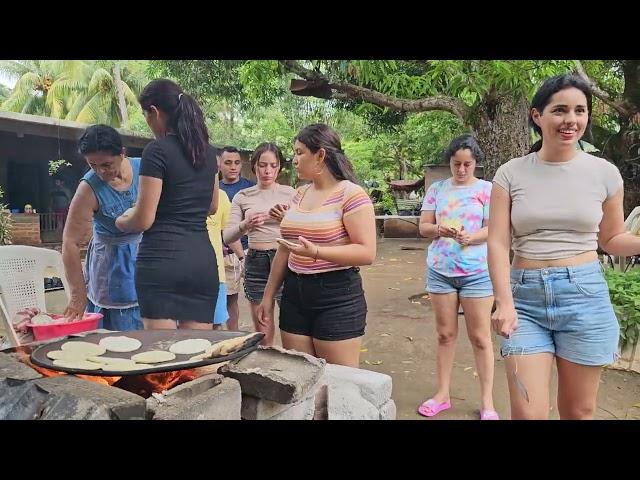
(22, 273)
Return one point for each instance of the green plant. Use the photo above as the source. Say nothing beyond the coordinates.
(5, 222)
(55, 165)
(624, 289)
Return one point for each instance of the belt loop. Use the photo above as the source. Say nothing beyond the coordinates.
(522, 272)
(572, 274)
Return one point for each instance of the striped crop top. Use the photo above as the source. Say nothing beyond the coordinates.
(323, 225)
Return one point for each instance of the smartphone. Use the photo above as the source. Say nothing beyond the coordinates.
(287, 243)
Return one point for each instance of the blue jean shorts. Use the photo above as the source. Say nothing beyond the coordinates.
(117, 319)
(565, 311)
(477, 285)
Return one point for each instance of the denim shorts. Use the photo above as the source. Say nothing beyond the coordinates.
(257, 266)
(117, 319)
(477, 285)
(325, 306)
(565, 311)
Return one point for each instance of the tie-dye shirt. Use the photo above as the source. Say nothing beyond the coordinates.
(458, 206)
(324, 225)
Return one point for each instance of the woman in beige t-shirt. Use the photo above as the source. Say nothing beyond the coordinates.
(553, 207)
(250, 216)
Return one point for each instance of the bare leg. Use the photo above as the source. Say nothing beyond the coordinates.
(299, 343)
(190, 324)
(577, 390)
(234, 312)
(477, 314)
(340, 352)
(159, 324)
(445, 307)
(534, 375)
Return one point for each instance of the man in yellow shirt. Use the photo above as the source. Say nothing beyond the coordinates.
(215, 225)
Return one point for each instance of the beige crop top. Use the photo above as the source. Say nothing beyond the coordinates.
(255, 200)
(556, 207)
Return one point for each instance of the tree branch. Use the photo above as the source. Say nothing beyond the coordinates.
(345, 90)
(601, 94)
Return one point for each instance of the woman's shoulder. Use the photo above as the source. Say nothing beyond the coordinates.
(351, 188)
(286, 189)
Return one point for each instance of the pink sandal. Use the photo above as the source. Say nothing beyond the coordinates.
(431, 408)
(488, 414)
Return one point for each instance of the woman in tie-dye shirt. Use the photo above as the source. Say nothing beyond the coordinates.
(455, 214)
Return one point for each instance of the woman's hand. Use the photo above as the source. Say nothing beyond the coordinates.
(278, 211)
(463, 237)
(75, 308)
(265, 319)
(305, 248)
(504, 320)
(448, 232)
(253, 220)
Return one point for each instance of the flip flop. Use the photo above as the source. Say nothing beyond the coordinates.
(488, 414)
(431, 408)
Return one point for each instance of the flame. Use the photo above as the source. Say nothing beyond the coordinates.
(143, 385)
(23, 354)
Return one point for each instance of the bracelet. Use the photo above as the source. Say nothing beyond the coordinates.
(437, 229)
(315, 258)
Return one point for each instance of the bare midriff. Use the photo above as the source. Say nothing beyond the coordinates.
(527, 263)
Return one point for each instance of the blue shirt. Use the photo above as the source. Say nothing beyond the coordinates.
(231, 189)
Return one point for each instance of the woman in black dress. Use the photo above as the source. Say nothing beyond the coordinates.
(176, 274)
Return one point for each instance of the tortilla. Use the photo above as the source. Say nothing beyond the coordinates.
(121, 344)
(111, 361)
(153, 356)
(91, 349)
(77, 364)
(66, 355)
(190, 346)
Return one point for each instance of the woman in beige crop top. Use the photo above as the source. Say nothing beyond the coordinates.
(250, 216)
(553, 207)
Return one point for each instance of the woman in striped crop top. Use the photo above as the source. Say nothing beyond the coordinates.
(331, 229)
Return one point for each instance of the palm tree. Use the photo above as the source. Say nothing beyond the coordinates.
(82, 90)
(111, 89)
(36, 79)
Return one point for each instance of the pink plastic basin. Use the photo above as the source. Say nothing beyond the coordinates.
(54, 330)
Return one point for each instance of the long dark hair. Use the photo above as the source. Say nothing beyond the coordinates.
(266, 147)
(185, 116)
(319, 135)
(100, 138)
(550, 87)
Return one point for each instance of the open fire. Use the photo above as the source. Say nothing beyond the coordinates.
(143, 385)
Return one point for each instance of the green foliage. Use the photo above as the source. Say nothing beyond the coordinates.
(624, 289)
(55, 165)
(204, 79)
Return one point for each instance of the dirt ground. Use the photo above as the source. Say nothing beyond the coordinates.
(400, 341)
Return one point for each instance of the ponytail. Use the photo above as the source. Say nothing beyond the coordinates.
(191, 129)
(536, 146)
(184, 117)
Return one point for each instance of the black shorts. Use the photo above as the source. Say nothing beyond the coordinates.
(324, 306)
(257, 267)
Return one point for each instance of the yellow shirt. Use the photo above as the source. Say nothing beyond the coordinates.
(215, 225)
